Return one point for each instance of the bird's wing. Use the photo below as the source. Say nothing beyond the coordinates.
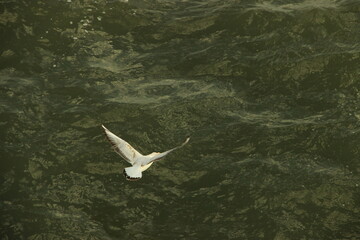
(158, 156)
(121, 147)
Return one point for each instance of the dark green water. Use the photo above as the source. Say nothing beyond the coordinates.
(268, 90)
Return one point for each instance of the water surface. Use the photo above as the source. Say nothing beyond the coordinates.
(268, 90)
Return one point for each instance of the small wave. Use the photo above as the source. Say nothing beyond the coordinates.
(140, 91)
(292, 7)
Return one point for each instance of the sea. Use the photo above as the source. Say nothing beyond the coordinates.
(268, 91)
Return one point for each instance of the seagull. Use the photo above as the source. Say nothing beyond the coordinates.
(138, 161)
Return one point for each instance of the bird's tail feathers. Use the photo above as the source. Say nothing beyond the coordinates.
(133, 173)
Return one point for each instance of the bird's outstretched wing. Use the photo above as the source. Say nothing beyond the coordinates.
(124, 149)
(158, 156)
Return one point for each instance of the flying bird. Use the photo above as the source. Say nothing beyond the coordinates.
(138, 161)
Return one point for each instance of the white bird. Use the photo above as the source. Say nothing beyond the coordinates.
(138, 161)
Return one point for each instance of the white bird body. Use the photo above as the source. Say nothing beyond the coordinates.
(138, 161)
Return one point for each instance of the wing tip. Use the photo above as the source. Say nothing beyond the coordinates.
(107, 136)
